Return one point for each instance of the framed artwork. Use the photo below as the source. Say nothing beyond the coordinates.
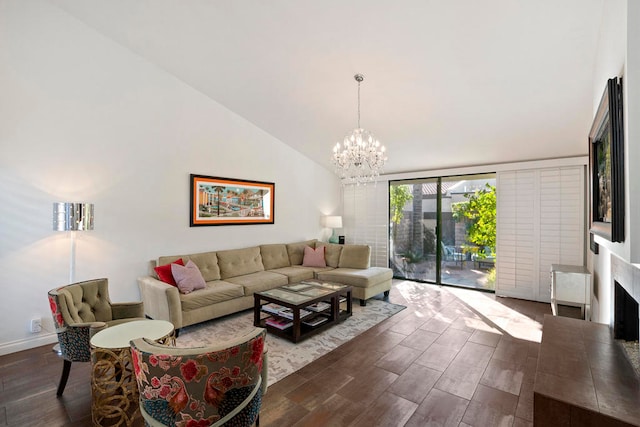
(606, 166)
(229, 201)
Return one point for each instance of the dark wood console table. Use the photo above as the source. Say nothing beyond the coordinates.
(583, 378)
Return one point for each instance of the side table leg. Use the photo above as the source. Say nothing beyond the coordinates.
(554, 307)
(114, 391)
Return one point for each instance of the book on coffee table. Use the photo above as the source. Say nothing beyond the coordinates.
(319, 306)
(333, 286)
(315, 292)
(315, 321)
(297, 287)
(287, 296)
(288, 313)
(279, 323)
(272, 308)
(279, 310)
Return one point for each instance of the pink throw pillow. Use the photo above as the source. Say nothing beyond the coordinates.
(188, 277)
(314, 257)
(164, 272)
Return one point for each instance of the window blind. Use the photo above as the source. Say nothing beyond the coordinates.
(366, 219)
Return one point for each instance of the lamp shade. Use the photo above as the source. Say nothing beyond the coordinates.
(333, 221)
(72, 216)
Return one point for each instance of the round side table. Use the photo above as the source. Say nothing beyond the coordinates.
(114, 392)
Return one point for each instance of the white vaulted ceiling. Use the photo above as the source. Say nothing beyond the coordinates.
(447, 83)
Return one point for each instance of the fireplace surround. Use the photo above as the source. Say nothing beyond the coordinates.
(626, 295)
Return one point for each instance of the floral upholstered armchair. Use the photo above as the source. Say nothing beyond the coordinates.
(203, 386)
(79, 311)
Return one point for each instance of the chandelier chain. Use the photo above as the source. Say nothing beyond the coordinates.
(358, 102)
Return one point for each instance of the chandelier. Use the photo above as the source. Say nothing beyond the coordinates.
(361, 156)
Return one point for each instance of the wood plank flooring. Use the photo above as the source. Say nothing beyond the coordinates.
(453, 358)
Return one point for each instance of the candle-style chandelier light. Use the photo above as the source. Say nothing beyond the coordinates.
(360, 158)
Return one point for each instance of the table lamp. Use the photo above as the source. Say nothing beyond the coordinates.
(333, 222)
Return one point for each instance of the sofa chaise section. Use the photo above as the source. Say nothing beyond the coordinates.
(353, 268)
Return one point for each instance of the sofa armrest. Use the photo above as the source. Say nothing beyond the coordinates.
(127, 310)
(161, 300)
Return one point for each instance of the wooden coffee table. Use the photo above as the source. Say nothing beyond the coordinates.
(307, 307)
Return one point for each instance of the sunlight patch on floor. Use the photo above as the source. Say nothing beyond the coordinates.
(473, 309)
(507, 319)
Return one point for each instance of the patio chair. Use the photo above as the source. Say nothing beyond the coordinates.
(485, 258)
(451, 254)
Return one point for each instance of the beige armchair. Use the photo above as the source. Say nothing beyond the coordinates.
(79, 311)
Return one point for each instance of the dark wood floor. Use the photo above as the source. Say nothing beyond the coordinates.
(453, 357)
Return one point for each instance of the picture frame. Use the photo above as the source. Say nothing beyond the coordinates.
(606, 166)
(229, 201)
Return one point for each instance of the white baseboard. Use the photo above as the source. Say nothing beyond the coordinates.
(26, 344)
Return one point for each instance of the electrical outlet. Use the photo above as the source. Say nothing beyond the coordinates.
(36, 325)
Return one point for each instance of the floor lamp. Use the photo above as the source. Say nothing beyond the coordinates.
(72, 217)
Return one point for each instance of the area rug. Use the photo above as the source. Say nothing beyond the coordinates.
(286, 357)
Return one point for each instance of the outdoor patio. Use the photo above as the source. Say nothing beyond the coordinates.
(460, 273)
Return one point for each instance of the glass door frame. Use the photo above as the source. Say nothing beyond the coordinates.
(439, 257)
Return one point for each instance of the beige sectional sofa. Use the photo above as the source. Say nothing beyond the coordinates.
(232, 276)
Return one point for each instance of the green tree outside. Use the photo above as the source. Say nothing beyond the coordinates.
(480, 211)
(399, 195)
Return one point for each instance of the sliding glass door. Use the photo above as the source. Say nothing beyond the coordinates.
(414, 222)
(442, 230)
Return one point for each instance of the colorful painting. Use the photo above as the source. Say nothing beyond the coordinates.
(228, 201)
(606, 166)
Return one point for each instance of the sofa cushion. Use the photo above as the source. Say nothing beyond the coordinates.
(188, 277)
(355, 256)
(331, 253)
(313, 257)
(213, 292)
(362, 278)
(274, 256)
(239, 262)
(296, 251)
(207, 263)
(260, 281)
(296, 273)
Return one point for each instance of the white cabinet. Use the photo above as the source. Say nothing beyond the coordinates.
(571, 285)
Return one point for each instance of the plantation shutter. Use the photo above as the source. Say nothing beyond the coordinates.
(515, 224)
(540, 221)
(562, 225)
(366, 219)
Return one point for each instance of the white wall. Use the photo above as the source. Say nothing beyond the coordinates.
(83, 119)
(619, 55)
(632, 137)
